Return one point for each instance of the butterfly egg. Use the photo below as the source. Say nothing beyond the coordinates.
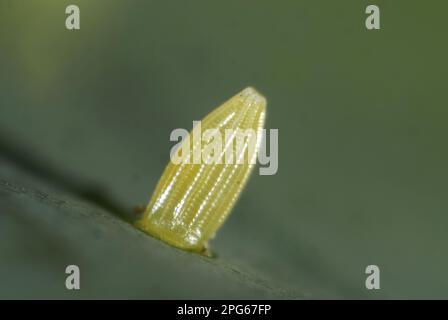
(195, 195)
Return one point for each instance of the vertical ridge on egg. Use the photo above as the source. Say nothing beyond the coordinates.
(193, 198)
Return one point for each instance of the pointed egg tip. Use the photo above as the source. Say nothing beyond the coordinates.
(252, 97)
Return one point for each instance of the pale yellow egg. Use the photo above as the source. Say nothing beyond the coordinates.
(193, 199)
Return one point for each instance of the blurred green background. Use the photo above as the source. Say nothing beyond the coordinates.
(85, 118)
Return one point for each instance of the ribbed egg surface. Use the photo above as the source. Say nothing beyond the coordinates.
(195, 195)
